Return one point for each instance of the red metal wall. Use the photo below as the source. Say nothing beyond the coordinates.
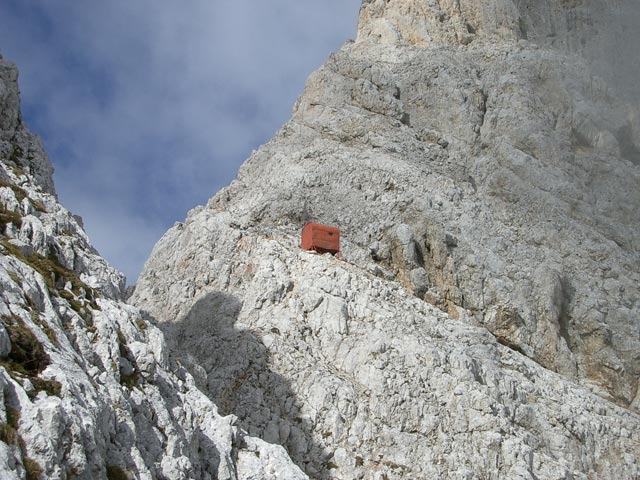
(321, 238)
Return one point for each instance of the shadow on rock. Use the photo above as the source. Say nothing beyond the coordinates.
(232, 366)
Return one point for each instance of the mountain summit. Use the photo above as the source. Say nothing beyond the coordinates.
(482, 161)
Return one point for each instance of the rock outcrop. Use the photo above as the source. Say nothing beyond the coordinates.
(88, 389)
(483, 162)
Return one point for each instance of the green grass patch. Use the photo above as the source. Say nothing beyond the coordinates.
(131, 380)
(8, 434)
(141, 324)
(27, 358)
(13, 417)
(8, 217)
(27, 355)
(122, 344)
(56, 275)
(74, 302)
(15, 277)
(34, 313)
(38, 205)
(9, 430)
(48, 331)
(17, 191)
(33, 468)
(21, 194)
(115, 472)
(52, 387)
(49, 268)
(17, 171)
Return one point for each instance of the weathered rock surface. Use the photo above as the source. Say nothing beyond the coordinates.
(481, 158)
(88, 389)
(601, 31)
(360, 379)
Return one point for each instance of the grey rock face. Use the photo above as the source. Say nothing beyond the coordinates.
(22, 149)
(601, 31)
(491, 174)
(360, 379)
(88, 389)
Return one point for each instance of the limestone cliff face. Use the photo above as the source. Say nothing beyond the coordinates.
(601, 31)
(88, 389)
(484, 168)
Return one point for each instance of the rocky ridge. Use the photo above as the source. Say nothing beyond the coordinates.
(88, 389)
(360, 379)
(483, 164)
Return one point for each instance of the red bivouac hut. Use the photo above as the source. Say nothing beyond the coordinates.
(321, 238)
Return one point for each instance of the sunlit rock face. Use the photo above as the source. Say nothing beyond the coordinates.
(484, 169)
(88, 389)
(541, 100)
(602, 32)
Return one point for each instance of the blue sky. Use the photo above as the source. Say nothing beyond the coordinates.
(147, 108)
